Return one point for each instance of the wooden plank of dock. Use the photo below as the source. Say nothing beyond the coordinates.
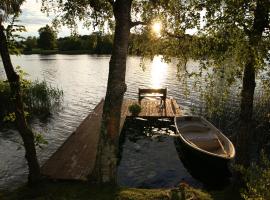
(75, 159)
(152, 108)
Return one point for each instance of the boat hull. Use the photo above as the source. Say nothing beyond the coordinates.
(206, 164)
(208, 168)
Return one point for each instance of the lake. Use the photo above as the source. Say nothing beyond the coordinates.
(83, 79)
(148, 157)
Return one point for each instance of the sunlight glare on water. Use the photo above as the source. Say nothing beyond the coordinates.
(159, 70)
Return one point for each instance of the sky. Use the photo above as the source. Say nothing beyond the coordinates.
(33, 19)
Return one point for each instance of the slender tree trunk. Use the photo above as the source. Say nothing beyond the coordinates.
(261, 21)
(106, 160)
(247, 94)
(25, 132)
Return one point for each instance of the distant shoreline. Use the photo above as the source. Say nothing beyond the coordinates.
(71, 52)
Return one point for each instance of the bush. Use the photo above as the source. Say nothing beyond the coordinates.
(257, 180)
(40, 99)
(135, 109)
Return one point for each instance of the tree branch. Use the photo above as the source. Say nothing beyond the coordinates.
(132, 24)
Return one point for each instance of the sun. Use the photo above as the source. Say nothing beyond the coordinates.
(156, 27)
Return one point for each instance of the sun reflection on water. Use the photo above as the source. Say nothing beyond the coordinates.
(158, 72)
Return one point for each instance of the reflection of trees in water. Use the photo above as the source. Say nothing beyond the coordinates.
(147, 129)
(147, 156)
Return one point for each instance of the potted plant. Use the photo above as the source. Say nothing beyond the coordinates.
(134, 109)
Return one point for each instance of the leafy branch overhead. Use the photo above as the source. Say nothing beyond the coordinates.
(100, 13)
(93, 13)
(8, 7)
(9, 12)
(13, 37)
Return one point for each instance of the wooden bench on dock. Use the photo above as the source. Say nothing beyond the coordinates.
(160, 93)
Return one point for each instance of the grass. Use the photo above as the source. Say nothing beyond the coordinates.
(230, 192)
(84, 191)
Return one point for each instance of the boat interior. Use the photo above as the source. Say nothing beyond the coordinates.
(200, 133)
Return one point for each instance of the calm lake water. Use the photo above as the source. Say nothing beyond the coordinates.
(148, 157)
(83, 79)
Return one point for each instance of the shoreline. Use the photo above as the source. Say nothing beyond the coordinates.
(72, 52)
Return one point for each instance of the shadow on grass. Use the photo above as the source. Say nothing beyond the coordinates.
(73, 191)
(62, 190)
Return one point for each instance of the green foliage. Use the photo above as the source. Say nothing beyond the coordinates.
(95, 13)
(23, 82)
(219, 102)
(134, 109)
(104, 44)
(257, 180)
(47, 38)
(40, 99)
(69, 43)
(39, 140)
(30, 43)
(10, 117)
(13, 38)
(176, 18)
(186, 192)
(9, 7)
(96, 43)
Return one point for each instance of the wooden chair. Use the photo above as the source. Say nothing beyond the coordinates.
(159, 93)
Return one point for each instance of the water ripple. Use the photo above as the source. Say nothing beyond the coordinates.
(83, 78)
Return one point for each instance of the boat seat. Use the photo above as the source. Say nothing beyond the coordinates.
(194, 128)
(208, 144)
(206, 141)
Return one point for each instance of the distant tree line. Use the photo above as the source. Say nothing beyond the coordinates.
(95, 43)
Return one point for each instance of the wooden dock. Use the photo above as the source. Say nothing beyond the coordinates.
(75, 159)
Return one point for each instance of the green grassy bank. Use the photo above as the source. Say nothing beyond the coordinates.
(84, 191)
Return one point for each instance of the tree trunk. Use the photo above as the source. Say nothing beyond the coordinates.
(245, 130)
(106, 160)
(25, 132)
(244, 136)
